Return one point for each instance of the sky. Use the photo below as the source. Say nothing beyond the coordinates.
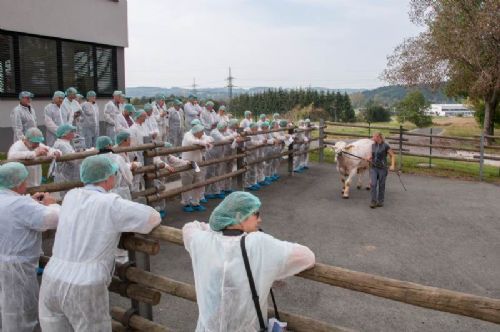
(273, 43)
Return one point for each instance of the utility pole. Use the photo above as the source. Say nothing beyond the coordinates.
(230, 85)
(194, 86)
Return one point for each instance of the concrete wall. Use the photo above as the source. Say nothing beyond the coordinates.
(6, 106)
(97, 21)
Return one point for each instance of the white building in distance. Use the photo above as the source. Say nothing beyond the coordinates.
(449, 110)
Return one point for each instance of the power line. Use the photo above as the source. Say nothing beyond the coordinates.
(194, 86)
(230, 85)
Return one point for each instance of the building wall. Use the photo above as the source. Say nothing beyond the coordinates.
(97, 21)
(6, 106)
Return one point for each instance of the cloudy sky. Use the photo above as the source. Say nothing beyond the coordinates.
(288, 43)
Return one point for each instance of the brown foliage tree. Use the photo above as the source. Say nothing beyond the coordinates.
(460, 46)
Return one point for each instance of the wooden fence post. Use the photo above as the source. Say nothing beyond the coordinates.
(400, 162)
(321, 140)
(290, 156)
(481, 157)
(140, 259)
(430, 148)
(239, 165)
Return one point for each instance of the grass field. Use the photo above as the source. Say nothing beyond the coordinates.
(455, 126)
(442, 168)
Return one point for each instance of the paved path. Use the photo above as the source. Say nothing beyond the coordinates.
(441, 232)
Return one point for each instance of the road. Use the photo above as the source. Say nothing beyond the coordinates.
(441, 232)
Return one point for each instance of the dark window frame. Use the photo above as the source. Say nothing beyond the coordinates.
(59, 41)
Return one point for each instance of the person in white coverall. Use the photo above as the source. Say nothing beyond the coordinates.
(90, 120)
(23, 116)
(223, 293)
(23, 220)
(74, 294)
(30, 147)
(111, 111)
(66, 170)
(54, 116)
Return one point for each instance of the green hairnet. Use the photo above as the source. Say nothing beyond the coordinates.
(233, 210)
(262, 116)
(222, 125)
(283, 123)
(117, 93)
(264, 124)
(138, 113)
(102, 142)
(253, 125)
(122, 136)
(210, 103)
(148, 107)
(247, 113)
(91, 93)
(276, 115)
(129, 108)
(307, 120)
(192, 97)
(197, 128)
(177, 102)
(233, 122)
(79, 96)
(12, 174)
(64, 129)
(24, 94)
(274, 123)
(58, 94)
(71, 91)
(167, 145)
(34, 135)
(195, 122)
(97, 168)
(222, 108)
(160, 96)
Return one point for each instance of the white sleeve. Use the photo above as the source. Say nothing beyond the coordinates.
(51, 217)
(109, 114)
(49, 123)
(129, 216)
(14, 153)
(189, 231)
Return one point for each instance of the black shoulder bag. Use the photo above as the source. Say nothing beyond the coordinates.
(255, 296)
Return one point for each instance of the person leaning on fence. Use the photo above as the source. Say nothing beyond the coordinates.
(74, 294)
(31, 147)
(66, 170)
(191, 199)
(23, 220)
(379, 169)
(23, 116)
(222, 286)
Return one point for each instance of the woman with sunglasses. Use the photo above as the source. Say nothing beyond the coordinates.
(223, 292)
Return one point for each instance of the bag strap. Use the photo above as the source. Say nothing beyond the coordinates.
(255, 296)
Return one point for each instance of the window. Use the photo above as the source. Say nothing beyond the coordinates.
(43, 65)
(7, 77)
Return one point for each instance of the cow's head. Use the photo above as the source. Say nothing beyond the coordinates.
(339, 147)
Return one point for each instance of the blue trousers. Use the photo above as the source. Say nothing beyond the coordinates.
(377, 183)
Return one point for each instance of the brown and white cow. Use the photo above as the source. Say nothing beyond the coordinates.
(348, 165)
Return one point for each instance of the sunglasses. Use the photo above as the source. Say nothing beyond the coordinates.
(257, 214)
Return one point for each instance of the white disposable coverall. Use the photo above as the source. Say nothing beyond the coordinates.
(175, 126)
(160, 114)
(222, 290)
(90, 123)
(66, 170)
(191, 177)
(74, 295)
(72, 107)
(19, 150)
(22, 221)
(111, 111)
(22, 118)
(191, 112)
(54, 116)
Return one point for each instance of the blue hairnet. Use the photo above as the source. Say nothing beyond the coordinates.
(195, 122)
(91, 93)
(24, 94)
(129, 108)
(12, 174)
(122, 136)
(160, 96)
(262, 116)
(148, 107)
(34, 135)
(247, 113)
(102, 142)
(222, 108)
(233, 122)
(233, 210)
(283, 123)
(253, 125)
(64, 129)
(222, 125)
(197, 128)
(59, 94)
(71, 91)
(177, 102)
(209, 103)
(97, 168)
(138, 113)
(117, 93)
(264, 124)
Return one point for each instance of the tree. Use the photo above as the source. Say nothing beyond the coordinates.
(375, 113)
(412, 107)
(460, 46)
